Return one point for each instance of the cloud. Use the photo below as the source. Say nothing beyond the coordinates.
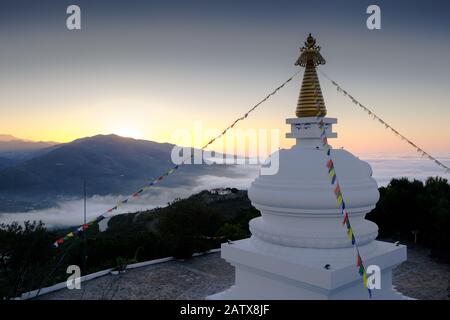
(385, 168)
(70, 213)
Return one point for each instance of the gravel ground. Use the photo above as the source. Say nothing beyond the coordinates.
(422, 278)
(190, 279)
(419, 278)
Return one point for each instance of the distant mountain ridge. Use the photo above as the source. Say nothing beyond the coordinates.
(8, 137)
(17, 149)
(111, 165)
(11, 138)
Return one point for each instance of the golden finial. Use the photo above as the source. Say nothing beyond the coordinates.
(310, 102)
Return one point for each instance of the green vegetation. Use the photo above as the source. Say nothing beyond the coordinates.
(196, 224)
(408, 207)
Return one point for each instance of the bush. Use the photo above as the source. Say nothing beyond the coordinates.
(412, 206)
(25, 257)
(232, 232)
(186, 225)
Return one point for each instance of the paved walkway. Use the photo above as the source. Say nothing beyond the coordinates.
(191, 279)
(422, 278)
(419, 278)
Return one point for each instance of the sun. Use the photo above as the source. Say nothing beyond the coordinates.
(129, 132)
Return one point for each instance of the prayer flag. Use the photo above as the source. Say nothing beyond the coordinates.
(329, 163)
(361, 270)
(358, 261)
(349, 233)
(331, 173)
(345, 218)
(339, 200)
(337, 189)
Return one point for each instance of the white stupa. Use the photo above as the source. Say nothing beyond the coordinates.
(299, 248)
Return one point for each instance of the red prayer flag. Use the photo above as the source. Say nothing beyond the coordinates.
(358, 261)
(345, 218)
(329, 163)
(337, 189)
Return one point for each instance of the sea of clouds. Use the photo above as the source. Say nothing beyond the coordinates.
(70, 213)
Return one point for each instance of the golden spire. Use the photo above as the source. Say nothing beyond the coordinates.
(310, 102)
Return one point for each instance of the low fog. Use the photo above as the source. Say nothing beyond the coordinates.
(70, 213)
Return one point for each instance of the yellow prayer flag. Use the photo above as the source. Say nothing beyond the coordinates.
(339, 200)
(350, 233)
(331, 173)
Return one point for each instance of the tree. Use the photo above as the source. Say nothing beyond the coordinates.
(187, 226)
(25, 256)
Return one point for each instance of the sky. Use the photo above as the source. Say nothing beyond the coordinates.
(148, 68)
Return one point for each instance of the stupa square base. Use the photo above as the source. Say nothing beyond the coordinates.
(267, 271)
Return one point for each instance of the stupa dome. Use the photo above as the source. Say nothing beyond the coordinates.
(291, 200)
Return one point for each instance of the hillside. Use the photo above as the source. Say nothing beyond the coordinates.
(6, 162)
(18, 150)
(110, 164)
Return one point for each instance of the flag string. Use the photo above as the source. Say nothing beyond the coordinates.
(135, 195)
(422, 152)
(340, 203)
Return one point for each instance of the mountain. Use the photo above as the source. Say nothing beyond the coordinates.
(6, 162)
(110, 164)
(8, 137)
(19, 149)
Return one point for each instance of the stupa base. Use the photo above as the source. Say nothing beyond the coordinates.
(268, 271)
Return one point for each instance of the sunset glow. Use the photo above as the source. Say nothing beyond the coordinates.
(155, 83)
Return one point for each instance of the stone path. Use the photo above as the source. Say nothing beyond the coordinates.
(422, 278)
(419, 278)
(191, 279)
